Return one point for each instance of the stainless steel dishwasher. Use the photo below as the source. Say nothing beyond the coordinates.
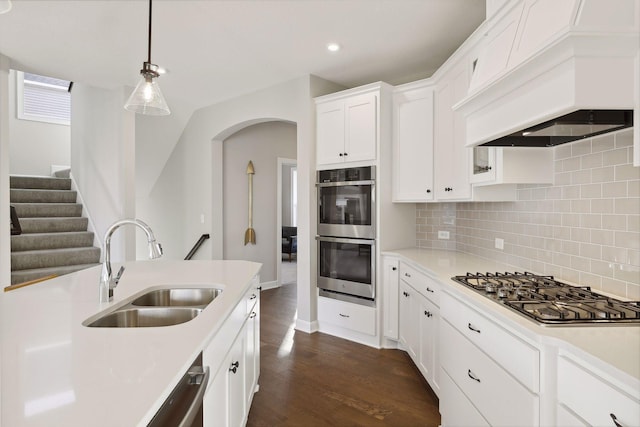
(183, 407)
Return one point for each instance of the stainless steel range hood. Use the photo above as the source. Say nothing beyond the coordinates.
(580, 124)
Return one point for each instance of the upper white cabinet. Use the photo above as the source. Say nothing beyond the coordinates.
(451, 158)
(347, 127)
(510, 165)
(413, 144)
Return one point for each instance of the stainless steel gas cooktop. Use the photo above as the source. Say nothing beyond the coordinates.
(551, 302)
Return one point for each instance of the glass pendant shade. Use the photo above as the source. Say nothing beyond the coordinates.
(147, 98)
(5, 6)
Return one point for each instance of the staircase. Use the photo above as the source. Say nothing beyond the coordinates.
(54, 237)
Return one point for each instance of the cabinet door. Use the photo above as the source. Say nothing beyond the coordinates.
(451, 157)
(361, 128)
(483, 164)
(428, 358)
(216, 398)
(252, 353)
(236, 371)
(330, 132)
(409, 326)
(390, 283)
(413, 146)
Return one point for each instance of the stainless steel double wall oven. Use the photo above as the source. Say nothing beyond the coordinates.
(346, 234)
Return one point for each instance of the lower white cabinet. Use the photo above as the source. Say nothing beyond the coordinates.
(455, 408)
(586, 398)
(390, 293)
(230, 392)
(419, 318)
(497, 371)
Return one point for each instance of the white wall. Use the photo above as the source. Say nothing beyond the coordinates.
(5, 227)
(262, 144)
(35, 146)
(190, 184)
(103, 161)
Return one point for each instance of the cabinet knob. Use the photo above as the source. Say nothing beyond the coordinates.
(428, 191)
(346, 154)
(234, 367)
(407, 274)
(340, 154)
(448, 189)
(394, 268)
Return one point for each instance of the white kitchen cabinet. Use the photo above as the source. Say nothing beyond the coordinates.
(429, 356)
(413, 144)
(347, 128)
(497, 371)
(419, 319)
(511, 165)
(236, 366)
(456, 409)
(409, 331)
(346, 316)
(390, 291)
(451, 157)
(587, 398)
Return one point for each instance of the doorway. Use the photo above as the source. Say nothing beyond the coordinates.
(287, 221)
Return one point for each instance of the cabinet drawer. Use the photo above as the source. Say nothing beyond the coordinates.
(356, 317)
(519, 358)
(594, 399)
(421, 282)
(455, 408)
(496, 394)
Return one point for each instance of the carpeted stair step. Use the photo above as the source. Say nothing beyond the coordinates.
(26, 260)
(26, 275)
(39, 241)
(53, 225)
(40, 182)
(21, 195)
(44, 210)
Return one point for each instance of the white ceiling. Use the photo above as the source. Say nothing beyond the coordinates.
(217, 49)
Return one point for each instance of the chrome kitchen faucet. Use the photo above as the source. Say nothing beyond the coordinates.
(107, 281)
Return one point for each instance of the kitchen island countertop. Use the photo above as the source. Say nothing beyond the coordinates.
(614, 349)
(57, 372)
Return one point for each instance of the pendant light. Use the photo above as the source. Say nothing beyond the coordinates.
(147, 97)
(5, 6)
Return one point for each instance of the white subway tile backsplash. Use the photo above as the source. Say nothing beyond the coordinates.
(585, 228)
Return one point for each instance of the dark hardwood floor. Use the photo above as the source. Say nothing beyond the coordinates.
(320, 380)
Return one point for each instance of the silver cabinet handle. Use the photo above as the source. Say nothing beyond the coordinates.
(472, 376)
(473, 329)
(615, 420)
(343, 315)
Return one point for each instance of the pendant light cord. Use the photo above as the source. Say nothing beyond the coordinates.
(149, 60)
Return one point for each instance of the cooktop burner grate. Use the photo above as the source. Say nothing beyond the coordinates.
(549, 301)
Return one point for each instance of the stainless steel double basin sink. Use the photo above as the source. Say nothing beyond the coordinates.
(159, 307)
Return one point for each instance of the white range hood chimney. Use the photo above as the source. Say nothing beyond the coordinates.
(543, 59)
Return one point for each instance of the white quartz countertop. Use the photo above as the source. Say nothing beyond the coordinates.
(615, 349)
(57, 372)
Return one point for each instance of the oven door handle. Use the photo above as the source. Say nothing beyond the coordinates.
(370, 242)
(345, 183)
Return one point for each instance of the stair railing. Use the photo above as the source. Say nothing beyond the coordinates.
(195, 248)
(15, 223)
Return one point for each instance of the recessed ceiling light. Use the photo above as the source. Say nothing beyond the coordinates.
(333, 47)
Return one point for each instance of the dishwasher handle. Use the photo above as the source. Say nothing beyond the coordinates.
(198, 376)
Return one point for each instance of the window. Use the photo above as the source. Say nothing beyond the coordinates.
(43, 99)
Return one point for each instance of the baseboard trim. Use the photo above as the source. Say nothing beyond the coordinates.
(269, 285)
(308, 327)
